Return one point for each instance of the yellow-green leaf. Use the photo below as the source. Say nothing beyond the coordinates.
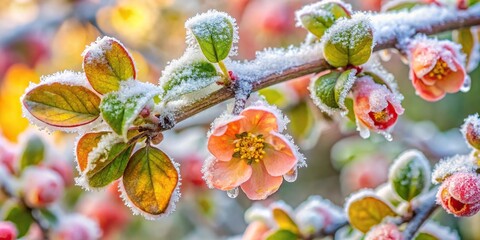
(284, 221)
(107, 63)
(367, 211)
(62, 105)
(150, 181)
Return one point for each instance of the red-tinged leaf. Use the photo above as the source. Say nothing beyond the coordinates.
(62, 105)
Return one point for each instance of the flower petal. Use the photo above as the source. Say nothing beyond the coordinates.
(279, 155)
(261, 184)
(220, 142)
(228, 175)
(429, 93)
(260, 120)
(453, 81)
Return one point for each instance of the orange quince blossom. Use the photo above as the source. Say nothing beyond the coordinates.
(375, 106)
(436, 68)
(249, 151)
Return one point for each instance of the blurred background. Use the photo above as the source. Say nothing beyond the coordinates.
(40, 37)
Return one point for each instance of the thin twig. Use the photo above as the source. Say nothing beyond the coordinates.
(421, 214)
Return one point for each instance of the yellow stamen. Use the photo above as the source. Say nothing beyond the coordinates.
(440, 70)
(249, 147)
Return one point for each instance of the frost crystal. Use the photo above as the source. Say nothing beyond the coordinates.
(449, 166)
(420, 167)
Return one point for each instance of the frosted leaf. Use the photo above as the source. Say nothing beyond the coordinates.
(447, 167)
(188, 74)
(233, 193)
(68, 78)
(176, 194)
(316, 88)
(439, 231)
(319, 16)
(409, 175)
(212, 23)
(121, 108)
(361, 194)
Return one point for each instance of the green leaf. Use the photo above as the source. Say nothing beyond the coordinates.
(274, 96)
(348, 42)
(151, 181)
(110, 167)
(410, 174)
(34, 152)
(367, 211)
(187, 78)
(49, 216)
(120, 109)
(21, 218)
(214, 34)
(62, 105)
(324, 88)
(282, 234)
(107, 63)
(425, 236)
(302, 120)
(318, 17)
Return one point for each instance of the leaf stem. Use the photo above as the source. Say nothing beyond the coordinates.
(226, 79)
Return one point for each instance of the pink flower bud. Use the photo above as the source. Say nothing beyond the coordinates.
(436, 68)
(63, 168)
(8, 231)
(471, 131)
(76, 227)
(42, 186)
(387, 231)
(7, 156)
(375, 106)
(459, 194)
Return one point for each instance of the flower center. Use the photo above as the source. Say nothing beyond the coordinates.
(249, 147)
(440, 70)
(384, 118)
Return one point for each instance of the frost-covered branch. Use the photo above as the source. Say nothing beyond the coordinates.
(272, 66)
(421, 214)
